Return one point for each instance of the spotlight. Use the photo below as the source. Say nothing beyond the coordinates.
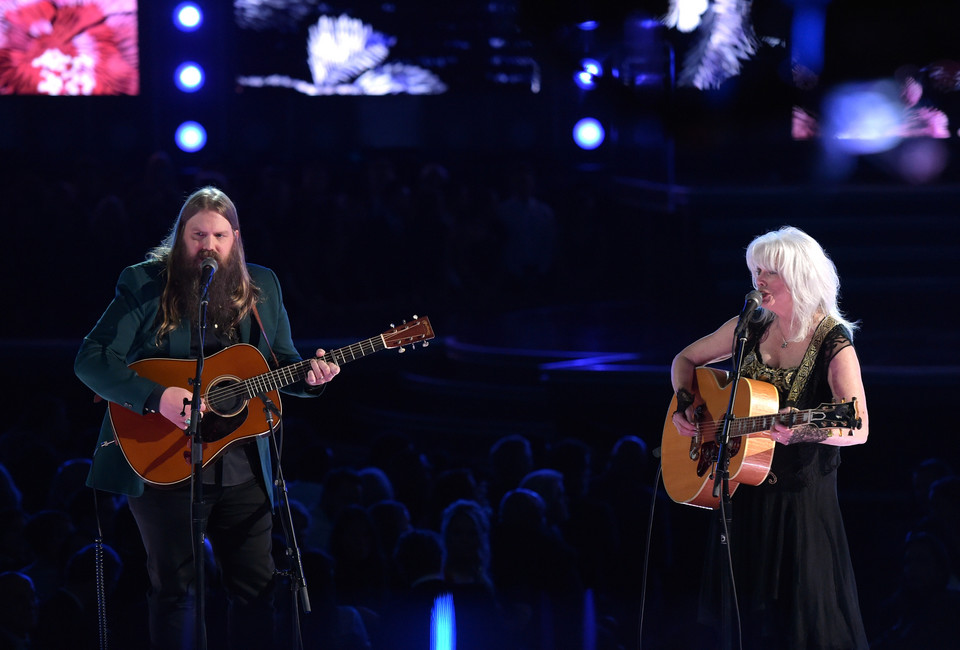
(590, 71)
(189, 77)
(190, 137)
(588, 133)
(584, 80)
(187, 16)
(592, 67)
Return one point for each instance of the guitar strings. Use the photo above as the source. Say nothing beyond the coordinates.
(297, 371)
(274, 379)
(737, 425)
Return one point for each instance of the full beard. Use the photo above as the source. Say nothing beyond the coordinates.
(224, 289)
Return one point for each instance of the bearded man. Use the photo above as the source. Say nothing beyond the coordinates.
(155, 314)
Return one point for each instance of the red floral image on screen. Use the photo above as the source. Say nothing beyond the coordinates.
(69, 47)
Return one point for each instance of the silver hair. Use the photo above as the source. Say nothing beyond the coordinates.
(808, 272)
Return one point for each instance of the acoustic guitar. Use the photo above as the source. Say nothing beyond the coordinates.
(159, 452)
(688, 462)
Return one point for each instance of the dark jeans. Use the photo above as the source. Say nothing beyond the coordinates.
(238, 525)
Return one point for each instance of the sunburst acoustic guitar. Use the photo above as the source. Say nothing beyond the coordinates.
(159, 452)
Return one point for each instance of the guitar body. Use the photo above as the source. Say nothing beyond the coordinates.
(688, 463)
(158, 451)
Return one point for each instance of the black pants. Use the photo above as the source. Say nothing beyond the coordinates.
(238, 525)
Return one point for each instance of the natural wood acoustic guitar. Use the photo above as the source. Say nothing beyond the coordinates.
(688, 462)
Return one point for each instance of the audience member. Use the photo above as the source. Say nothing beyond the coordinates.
(375, 486)
(548, 483)
(510, 459)
(71, 616)
(419, 568)
(465, 531)
(391, 520)
(51, 539)
(342, 488)
(535, 573)
(19, 611)
(360, 568)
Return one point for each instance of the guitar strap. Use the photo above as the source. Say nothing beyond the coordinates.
(809, 358)
(263, 333)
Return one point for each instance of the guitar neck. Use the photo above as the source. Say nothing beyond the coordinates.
(754, 423)
(282, 377)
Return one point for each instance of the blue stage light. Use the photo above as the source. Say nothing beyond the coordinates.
(588, 133)
(592, 67)
(443, 624)
(191, 137)
(189, 77)
(590, 71)
(188, 17)
(584, 80)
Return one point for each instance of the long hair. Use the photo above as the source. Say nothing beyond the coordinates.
(808, 272)
(474, 561)
(171, 251)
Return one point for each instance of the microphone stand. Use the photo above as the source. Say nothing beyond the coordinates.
(298, 582)
(196, 456)
(721, 489)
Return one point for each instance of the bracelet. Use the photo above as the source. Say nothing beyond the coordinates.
(684, 400)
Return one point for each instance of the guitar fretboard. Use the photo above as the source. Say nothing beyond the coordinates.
(752, 424)
(746, 426)
(276, 379)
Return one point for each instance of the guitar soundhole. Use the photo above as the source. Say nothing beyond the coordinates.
(226, 396)
(226, 409)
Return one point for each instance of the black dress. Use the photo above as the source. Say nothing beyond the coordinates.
(793, 573)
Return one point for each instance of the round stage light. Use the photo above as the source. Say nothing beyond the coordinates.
(191, 137)
(588, 133)
(189, 77)
(187, 16)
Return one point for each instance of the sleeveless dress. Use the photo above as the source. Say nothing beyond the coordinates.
(794, 577)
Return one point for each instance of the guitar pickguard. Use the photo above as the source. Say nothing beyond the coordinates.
(708, 455)
(214, 427)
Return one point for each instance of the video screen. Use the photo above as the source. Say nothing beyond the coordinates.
(382, 48)
(69, 47)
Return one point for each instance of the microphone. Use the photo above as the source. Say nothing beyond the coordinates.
(750, 305)
(208, 267)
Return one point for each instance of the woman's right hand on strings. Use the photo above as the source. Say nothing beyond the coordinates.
(683, 421)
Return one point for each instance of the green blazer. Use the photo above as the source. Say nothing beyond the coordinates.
(127, 332)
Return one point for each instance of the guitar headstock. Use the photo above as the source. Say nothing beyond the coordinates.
(416, 331)
(838, 415)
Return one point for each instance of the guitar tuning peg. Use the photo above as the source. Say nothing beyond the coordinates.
(415, 317)
(392, 326)
(425, 344)
(402, 349)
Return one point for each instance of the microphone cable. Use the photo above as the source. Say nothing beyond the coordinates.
(100, 580)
